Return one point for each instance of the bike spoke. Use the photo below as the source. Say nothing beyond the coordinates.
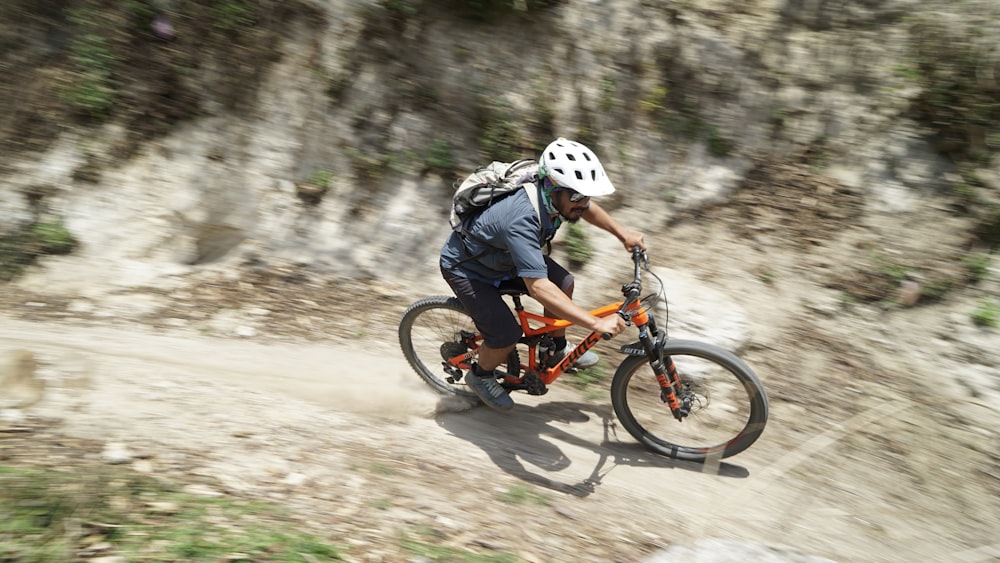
(437, 334)
(727, 406)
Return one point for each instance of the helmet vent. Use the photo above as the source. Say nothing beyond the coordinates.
(569, 164)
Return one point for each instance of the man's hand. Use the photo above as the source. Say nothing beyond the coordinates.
(612, 325)
(631, 239)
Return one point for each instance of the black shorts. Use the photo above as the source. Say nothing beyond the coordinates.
(492, 315)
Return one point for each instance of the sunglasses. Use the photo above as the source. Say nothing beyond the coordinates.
(574, 196)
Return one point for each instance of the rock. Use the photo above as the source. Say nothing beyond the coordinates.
(143, 466)
(12, 416)
(909, 293)
(20, 385)
(163, 507)
(81, 306)
(162, 27)
(201, 490)
(116, 453)
(245, 331)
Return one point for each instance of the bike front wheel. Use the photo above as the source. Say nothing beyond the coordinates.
(728, 403)
(435, 329)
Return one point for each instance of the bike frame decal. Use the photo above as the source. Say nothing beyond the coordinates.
(571, 358)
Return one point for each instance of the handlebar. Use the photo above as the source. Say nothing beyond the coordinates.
(633, 289)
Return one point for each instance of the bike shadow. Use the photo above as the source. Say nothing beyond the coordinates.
(527, 435)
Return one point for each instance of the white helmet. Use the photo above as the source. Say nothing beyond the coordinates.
(571, 165)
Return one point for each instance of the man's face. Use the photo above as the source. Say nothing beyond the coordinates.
(562, 200)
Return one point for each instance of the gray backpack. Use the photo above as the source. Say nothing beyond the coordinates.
(489, 184)
(486, 186)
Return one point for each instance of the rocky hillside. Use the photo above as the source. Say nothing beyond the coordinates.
(192, 191)
(146, 140)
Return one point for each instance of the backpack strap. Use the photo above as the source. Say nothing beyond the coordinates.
(531, 190)
(533, 197)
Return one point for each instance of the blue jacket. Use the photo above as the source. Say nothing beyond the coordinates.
(507, 235)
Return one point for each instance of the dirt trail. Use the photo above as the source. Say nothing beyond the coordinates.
(296, 421)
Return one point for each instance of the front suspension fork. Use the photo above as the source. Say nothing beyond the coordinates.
(666, 374)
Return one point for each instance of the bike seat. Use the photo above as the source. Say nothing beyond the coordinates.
(512, 291)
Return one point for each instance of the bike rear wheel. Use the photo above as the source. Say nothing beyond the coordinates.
(728, 403)
(436, 328)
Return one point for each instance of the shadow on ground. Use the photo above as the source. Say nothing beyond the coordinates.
(528, 435)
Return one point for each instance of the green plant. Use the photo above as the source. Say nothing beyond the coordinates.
(231, 15)
(440, 156)
(320, 178)
(369, 167)
(907, 70)
(766, 276)
(955, 100)
(53, 516)
(583, 379)
(608, 100)
(52, 237)
(986, 314)
(578, 244)
(893, 271)
(977, 265)
(655, 100)
(19, 248)
(382, 469)
(935, 289)
(520, 494)
(499, 135)
(718, 145)
(402, 8)
(92, 89)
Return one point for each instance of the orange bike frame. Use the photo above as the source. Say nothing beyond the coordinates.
(548, 324)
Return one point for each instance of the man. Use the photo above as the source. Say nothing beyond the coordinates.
(502, 248)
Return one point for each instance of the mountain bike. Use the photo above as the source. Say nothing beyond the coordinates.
(683, 399)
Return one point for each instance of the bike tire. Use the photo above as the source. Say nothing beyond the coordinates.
(426, 328)
(729, 409)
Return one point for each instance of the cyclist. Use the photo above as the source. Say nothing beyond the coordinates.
(503, 249)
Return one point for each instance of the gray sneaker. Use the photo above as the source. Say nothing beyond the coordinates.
(489, 390)
(588, 360)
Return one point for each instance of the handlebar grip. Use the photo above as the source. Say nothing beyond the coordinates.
(607, 336)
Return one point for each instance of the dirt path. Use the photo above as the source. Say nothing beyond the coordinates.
(348, 436)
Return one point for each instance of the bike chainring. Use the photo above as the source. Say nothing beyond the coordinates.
(534, 384)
